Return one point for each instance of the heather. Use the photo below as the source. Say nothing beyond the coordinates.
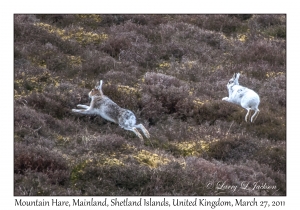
(171, 71)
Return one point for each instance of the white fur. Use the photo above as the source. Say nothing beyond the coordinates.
(109, 110)
(242, 96)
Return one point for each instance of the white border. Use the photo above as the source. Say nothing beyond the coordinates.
(137, 6)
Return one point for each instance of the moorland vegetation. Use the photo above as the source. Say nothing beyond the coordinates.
(171, 71)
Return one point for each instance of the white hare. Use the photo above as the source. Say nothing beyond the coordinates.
(109, 110)
(242, 96)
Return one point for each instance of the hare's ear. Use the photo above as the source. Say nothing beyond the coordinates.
(236, 79)
(234, 75)
(100, 87)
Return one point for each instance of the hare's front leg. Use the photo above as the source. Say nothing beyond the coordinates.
(225, 99)
(83, 106)
(82, 111)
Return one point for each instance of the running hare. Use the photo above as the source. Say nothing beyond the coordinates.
(109, 110)
(242, 96)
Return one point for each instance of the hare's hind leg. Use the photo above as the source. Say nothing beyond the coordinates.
(254, 116)
(248, 112)
(146, 133)
(135, 130)
(128, 121)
